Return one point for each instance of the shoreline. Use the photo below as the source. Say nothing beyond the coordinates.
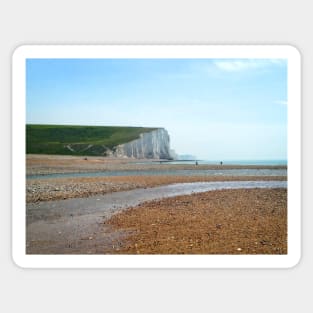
(50, 164)
(84, 226)
(40, 190)
(94, 214)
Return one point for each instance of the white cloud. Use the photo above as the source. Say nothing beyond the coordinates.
(284, 102)
(279, 62)
(248, 64)
(236, 65)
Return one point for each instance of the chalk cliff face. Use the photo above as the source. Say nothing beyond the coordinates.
(150, 145)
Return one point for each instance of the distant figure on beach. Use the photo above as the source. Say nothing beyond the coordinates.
(221, 163)
(196, 162)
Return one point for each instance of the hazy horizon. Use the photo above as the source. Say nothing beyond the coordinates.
(215, 109)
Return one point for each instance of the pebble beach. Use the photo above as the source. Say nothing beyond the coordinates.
(242, 221)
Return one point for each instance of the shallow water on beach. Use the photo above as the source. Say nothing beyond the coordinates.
(217, 162)
(78, 225)
(110, 203)
(187, 188)
(209, 172)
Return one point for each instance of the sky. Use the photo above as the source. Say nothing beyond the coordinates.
(214, 109)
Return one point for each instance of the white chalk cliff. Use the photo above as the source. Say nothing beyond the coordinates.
(150, 145)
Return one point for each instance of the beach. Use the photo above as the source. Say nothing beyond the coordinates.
(47, 164)
(216, 222)
(66, 215)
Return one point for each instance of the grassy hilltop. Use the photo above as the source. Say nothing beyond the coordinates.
(78, 140)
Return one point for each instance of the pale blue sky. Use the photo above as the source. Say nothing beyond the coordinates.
(215, 109)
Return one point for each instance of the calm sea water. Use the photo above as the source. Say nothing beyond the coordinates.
(217, 172)
(226, 162)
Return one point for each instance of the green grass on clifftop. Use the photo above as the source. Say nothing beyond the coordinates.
(84, 140)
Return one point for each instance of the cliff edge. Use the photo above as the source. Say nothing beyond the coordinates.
(149, 145)
(113, 141)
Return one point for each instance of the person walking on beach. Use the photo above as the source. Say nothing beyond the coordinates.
(221, 163)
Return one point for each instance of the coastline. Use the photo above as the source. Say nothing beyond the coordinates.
(56, 226)
(44, 188)
(52, 164)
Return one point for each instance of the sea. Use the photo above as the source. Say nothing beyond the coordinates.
(186, 172)
(225, 162)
